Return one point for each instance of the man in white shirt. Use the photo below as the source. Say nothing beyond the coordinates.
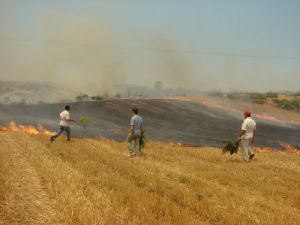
(64, 124)
(247, 136)
(135, 131)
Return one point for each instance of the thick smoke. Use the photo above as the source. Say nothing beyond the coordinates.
(77, 52)
(172, 64)
(72, 52)
(81, 57)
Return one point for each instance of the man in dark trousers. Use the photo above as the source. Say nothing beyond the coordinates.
(64, 124)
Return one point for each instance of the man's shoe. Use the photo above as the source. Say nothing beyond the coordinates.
(131, 155)
(251, 156)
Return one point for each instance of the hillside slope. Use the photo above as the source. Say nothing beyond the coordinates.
(170, 120)
(94, 182)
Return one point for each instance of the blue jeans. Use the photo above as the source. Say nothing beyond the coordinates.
(61, 130)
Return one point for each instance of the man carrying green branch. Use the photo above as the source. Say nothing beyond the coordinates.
(64, 124)
(135, 131)
(247, 136)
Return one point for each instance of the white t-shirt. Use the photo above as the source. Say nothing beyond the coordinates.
(137, 123)
(249, 126)
(64, 116)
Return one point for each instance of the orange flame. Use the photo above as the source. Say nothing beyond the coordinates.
(27, 129)
(288, 149)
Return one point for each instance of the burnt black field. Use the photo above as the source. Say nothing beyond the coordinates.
(164, 120)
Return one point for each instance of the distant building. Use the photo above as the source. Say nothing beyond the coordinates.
(158, 86)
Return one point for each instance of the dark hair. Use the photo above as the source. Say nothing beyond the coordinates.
(135, 110)
(67, 107)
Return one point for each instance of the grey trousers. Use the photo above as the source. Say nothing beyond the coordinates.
(61, 130)
(133, 143)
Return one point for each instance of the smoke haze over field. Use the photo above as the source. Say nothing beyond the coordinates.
(67, 51)
(91, 46)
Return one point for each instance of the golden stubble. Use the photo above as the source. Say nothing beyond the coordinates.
(94, 182)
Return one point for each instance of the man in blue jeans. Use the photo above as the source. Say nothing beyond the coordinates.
(64, 124)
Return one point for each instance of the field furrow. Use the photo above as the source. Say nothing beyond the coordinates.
(92, 181)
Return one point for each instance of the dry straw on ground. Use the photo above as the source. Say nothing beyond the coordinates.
(89, 182)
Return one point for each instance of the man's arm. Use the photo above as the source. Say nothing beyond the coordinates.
(254, 136)
(241, 134)
(68, 118)
(243, 130)
(142, 127)
(131, 125)
(131, 129)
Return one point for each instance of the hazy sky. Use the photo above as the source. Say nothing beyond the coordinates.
(202, 44)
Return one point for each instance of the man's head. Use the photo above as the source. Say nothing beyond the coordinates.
(67, 107)
(135, 111)
(247, 114)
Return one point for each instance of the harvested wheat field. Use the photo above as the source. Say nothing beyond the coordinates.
(89, 182)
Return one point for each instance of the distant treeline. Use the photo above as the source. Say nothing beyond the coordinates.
(285, 100)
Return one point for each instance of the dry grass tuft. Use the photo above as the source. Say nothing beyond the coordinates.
(94, 182)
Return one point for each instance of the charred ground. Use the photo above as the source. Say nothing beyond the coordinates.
(171, 120)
